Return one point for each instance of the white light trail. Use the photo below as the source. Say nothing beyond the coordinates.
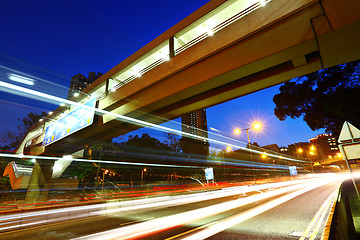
(94, 160)
(21, 79)
(13, 221)
(161, 224)
(232, 221)
(46, 97)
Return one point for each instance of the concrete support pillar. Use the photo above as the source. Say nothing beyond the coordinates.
(40, 181)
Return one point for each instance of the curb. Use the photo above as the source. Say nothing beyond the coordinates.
(326, 232)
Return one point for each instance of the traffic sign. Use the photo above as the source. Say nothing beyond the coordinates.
(349, 133)
(292, 170)
(75, 120)
(349, 146)
(209, 173)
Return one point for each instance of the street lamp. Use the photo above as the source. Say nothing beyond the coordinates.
(142, 176)
(255, 126)
(104, 173)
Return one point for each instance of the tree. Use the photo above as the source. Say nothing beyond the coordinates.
(9, 140)
(325, 98)
(147, 142)
(173, 142)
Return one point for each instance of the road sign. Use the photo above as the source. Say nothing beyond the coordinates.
(349, 133)
(209, 173)
(292, 170)
(349, 146)
(75, 120)
(349, 140)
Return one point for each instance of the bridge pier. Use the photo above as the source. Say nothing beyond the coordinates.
(40, 181)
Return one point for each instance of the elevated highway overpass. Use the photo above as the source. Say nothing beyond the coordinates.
(224, 50)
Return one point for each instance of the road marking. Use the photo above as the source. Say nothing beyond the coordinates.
(192, 230)
(313, 235)
(318, 218)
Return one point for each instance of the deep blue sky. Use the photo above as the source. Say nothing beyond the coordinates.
(59, 38)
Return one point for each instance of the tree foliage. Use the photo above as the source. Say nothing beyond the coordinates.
(10, 139)
(147, 142)
(325, 98)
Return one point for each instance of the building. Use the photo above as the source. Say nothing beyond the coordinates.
(78, 82)
(272, 147)
(195, 123)
(300, 149)
(325, 145)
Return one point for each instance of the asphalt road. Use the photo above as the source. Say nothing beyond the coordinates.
(288, 219)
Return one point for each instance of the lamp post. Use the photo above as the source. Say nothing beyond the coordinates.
(103, 180)
(255, 126)
(142, 176)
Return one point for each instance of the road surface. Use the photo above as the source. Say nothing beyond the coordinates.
(294, 210)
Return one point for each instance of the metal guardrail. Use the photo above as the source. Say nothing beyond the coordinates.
(342, 224)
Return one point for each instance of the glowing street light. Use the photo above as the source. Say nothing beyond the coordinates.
(142, 176)
(228, 148)
(257, 126)
(300, 150)
(103, 181)
(237, 131)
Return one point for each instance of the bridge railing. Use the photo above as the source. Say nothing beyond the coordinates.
(200, 30)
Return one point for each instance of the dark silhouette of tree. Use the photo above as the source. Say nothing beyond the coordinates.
(9, 140)
(173, 142)
(146, 141)
(325, 98)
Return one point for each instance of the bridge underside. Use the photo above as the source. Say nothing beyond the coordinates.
(287, 39)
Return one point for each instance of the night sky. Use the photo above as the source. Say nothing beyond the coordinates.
(57, 39)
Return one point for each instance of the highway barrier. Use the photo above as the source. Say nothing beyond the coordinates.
(345, 224)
